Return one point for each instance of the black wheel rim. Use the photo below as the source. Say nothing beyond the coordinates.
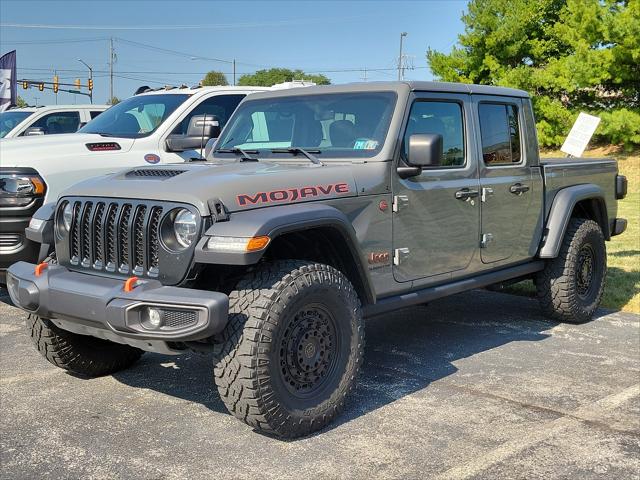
(585, 271)
(308, 350)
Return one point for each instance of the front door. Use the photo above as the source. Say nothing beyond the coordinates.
(509, 210)
(437, 213)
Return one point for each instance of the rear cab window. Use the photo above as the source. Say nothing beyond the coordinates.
(500, 134)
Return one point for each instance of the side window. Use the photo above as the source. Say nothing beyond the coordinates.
(222, 106)
(61, 122)
(500, 133)
(444, 118)
(94, 114)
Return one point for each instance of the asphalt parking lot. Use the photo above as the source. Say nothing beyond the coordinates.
(474, 386)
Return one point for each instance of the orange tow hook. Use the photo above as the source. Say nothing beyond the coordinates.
(130, 284)
(40, 268)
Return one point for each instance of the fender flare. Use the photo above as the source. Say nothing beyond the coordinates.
(276, 221)
(43, 234)
(561, 209)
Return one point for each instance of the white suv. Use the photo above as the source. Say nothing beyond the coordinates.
(32, 121)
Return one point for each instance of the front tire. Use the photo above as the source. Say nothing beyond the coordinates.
(294, 343)
(81, 354)
(571, 285)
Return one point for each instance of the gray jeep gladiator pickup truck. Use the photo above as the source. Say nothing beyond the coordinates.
(317, 208)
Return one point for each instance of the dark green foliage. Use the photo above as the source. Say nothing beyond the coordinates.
(268, 78)
(570, 55)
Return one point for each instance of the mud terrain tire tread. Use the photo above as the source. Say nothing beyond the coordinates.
(242, 354)
(556, 284)
(81, 354)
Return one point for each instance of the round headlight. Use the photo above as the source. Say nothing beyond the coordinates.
(67, 216)
(184, 226)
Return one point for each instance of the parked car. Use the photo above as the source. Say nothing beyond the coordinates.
(158, 126)
(46, 120)
(317, 208)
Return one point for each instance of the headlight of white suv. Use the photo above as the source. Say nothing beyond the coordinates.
(67, 216)
(185, 227)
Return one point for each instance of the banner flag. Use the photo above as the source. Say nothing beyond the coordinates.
(8, 80)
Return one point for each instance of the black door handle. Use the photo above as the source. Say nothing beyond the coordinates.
(518, 188)
(466, 194)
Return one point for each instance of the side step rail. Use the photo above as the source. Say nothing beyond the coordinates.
(395, 302)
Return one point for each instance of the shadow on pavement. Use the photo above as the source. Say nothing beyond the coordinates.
(405, 351)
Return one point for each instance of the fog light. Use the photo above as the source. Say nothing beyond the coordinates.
(154, 317)
(12, 288)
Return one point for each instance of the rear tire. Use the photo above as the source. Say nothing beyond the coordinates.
(294, 343)
(571, 285)
(81, 354)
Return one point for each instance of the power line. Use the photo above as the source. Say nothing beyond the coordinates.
(274, 23)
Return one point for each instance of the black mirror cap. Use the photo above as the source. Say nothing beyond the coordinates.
(207, 126)
(425, 150)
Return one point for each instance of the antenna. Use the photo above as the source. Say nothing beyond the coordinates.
(204, 123)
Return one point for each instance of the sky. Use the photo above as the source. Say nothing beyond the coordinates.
(166, 42)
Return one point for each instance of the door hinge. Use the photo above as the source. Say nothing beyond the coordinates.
(399, 255)
(486, 193)
(487, 238)
(399, 201)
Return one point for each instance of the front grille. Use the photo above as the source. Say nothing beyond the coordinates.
(179, 318)
(154, 173)
(10, 241)
(117, 237)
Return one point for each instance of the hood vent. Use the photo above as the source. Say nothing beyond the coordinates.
(103, 146)
(152, 173)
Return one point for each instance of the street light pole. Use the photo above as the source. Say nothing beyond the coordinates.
(90, 78)
(400, 69)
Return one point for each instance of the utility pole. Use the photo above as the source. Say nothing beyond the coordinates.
(111, 59)
(234, 71)
(364, 76)
(400, 61)
(36, 99)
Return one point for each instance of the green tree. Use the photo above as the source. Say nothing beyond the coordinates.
(113, 100)
(20, 102)
(571, 55)
(268, 78)
(214, 78)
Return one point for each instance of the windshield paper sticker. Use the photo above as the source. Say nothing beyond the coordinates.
(365, 144)
(292, 194)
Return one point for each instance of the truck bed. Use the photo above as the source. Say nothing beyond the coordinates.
(559, 173)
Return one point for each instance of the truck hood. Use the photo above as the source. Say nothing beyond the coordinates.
(239, 185)
(39, 150)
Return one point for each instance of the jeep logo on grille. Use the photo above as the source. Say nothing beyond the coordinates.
(292, 194)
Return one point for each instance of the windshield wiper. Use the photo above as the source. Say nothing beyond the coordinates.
(246, 154)
(296, 150)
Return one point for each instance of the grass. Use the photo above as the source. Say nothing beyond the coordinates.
(622, 290)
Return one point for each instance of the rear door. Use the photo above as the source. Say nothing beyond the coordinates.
(437, 213)
(510, 193)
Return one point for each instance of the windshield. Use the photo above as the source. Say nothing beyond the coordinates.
(8, 120)
(135, 117)
(335, 125)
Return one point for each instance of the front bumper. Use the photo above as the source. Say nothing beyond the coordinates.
(99, 306)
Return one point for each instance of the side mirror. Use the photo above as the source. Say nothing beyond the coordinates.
(200, 130)
(204, 126)
(33, 131)
(425, 150)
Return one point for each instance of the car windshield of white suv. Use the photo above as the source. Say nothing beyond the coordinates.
(333, 125)
(135, 117)
(9, 119)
